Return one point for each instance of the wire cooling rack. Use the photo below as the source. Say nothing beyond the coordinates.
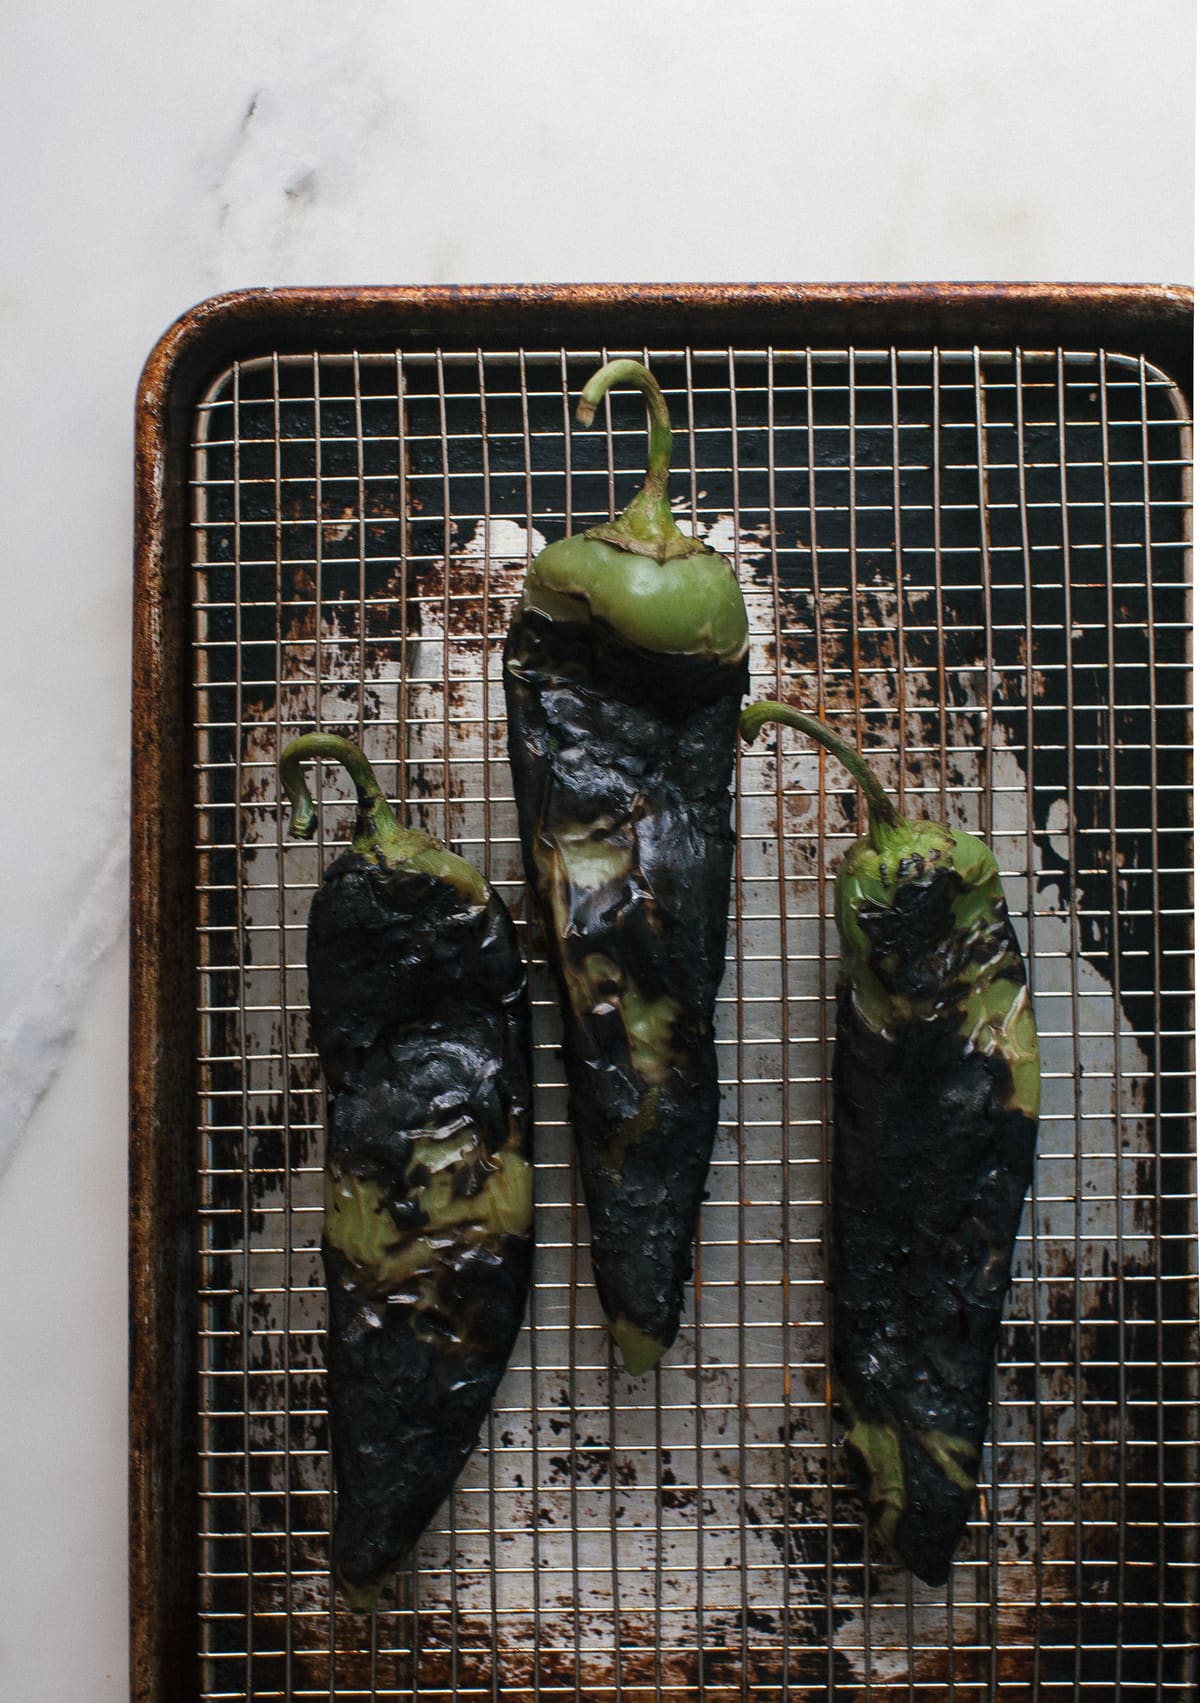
(973, 562)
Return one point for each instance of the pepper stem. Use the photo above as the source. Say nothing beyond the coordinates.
(646, 527)
(376, 821)
(377, 834)
(879, 805)
(633, 372)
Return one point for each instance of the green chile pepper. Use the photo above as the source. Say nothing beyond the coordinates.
(420, 1018)
(936, 1084)
(624, 671)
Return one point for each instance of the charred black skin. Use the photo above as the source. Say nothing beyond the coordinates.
(932, 1159)
(419, 1015)
(643, 744)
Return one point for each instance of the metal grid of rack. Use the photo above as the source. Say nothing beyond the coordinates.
(973, 562)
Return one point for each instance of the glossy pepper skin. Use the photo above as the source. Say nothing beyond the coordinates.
(936, 1084)
(624, 671)
(420, 1018)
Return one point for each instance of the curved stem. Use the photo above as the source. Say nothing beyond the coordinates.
(879, 804)
(633, 372)
(377, 834)
(375, 818)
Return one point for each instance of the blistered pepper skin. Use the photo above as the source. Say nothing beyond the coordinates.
(934, 1138)
(419, 1015)
(936, 1088)
(420, 1021)
(623, 800)
(624, 670)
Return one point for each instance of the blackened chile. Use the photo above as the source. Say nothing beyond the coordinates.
(639, 749)
(932, 1161)
(420, 1018)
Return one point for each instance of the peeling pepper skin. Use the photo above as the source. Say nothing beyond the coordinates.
(419, 1015)
(622, 714)
(936, 1088)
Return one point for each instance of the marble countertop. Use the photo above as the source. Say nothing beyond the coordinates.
(159, 153)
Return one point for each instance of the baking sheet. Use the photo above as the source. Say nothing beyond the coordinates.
(975, 561)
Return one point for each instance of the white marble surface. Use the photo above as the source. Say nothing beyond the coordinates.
(156, 153)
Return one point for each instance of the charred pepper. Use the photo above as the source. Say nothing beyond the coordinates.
(420, 1018)
(936, 1084)
(624, 671)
